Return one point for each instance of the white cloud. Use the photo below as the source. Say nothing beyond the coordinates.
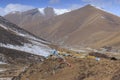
(14, 7)
(54, 1)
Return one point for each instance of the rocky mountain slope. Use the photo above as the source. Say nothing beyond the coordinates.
(14, 37)
(19, 48)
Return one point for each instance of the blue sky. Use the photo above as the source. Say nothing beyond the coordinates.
(42, 3)
(6, 6)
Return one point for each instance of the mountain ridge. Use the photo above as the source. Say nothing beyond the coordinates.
(81, 18)
(18, 49)
(14, 37)
(76, 28)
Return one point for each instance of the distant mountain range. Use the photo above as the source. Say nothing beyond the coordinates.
(88, 26)
(30, 18)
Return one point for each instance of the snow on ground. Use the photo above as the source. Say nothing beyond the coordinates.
(61, 11)
(27, 36)
(97, 7)
(103, 17)
(3, 26)
(57, 11)
(5, 78)
(78, 50)
(41, 10)
(30, 48)
(37, 43)
(1, 69)
(2, 62)
(23, 34)
(35, 48)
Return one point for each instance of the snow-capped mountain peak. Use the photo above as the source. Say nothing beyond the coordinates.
(56, 11)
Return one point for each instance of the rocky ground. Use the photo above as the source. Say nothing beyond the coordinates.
(87, 68)
(8, 71)
(13, 62)
(75, 66)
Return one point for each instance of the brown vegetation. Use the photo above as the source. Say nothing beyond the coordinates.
(81, 69)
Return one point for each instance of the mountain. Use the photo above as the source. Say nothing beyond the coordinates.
(88, 26)
(31, 18)
(49, 12)
(19, 49)
(20, 43)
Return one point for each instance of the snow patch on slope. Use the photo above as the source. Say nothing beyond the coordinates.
(22, 34)
(102, 17)
(1, 70)
(3, 27)
(2, 62)
(35, 46)
(5, 78)
(96, 7)
(29, 36)
(30, 48)
(41, 10)
(57, 11)
(61, 11)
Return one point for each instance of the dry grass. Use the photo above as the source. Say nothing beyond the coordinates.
(81, 69)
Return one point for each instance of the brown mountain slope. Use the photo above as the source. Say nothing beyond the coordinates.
(31, 18)
(85, 26)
